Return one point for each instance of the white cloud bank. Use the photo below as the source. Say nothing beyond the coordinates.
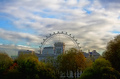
(92, 22)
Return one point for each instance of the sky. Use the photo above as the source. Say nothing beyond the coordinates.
(25, 23)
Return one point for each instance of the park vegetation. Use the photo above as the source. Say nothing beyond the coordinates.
(27, 66)
(101, 69)
(107, 67)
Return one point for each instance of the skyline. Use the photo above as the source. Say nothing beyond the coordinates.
(25, 23)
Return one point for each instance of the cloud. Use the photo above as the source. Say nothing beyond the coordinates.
(112, 5)
(12, 50)
(109, 1)
(93, 30)
(16, 36)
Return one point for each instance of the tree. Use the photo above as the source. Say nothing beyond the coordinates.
(53, 63)
(73, 60)
(13, 72)
(5, 63)
(27, 65)
(88, 62)
(112, 52)
(30, 68)
(109, 73)
(101, 69)
(64, 64)
(44, 72)
(101, 62)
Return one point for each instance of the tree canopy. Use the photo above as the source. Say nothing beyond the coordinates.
(5, 63)
(112, 52)
(26, 66)
(31, 68)
(73, 60)
(101, 69)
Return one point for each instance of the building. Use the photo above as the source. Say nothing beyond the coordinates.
(86, 54)
(95, 54)
(25, 52)
(14, 57)
(48, 50)
(59, 48)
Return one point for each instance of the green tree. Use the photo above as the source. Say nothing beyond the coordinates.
(73, 60)
(101, 69)
(13, 72)
(101, 62)
(64, 64)
(5, 63)
(54, 64)
(30, 68)
(112, 52)
(44, 72)
(27, 65)
(88, 62)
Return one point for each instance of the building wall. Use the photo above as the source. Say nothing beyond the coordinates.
(48, 50)
(25, 52)
(59, 47)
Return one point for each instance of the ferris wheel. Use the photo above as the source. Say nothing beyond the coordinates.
(59, 37)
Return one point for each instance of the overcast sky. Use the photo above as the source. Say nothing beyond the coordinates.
(25, 23)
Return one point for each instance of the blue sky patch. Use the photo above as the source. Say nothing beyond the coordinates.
(87, 11)
(47, 10)
(6, 42)
(45, 15)
(116, 32)
(119, 17)
(78, 0)
(6, 24)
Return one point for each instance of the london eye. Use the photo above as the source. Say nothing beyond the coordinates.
(69, 40)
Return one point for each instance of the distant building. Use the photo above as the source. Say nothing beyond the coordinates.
(59, 48)
(92, 55)
(14, 57)
(95, 54)
(48, 50)
(25, 52)
(86, 54)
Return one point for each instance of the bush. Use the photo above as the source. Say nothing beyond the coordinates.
(101, 69)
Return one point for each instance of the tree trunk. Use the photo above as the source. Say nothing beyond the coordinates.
(76, 72)
(73, 74)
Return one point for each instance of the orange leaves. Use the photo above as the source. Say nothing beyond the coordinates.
(13, 66)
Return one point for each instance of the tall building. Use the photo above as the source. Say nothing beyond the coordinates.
(48, 50)
(59, 48)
